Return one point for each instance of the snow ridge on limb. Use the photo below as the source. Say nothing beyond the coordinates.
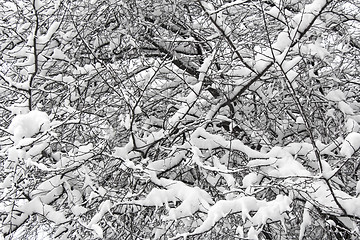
(264, 210)
(286, 39)
(304, 184)
(204, 140)
(317, 191)
(39, 203)
(193, 199)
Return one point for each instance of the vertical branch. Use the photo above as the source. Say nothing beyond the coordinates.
(36, 65)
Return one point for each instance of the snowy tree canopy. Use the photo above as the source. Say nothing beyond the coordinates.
(179, 119)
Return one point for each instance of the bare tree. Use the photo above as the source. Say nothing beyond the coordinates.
(179, 119)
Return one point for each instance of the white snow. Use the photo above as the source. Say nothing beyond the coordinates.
(181, 200)
(253, 234)
(223, 207)
(202, 139)
(193, 95)
(273, 210)
(38, 4)
(276, 13)
(264, 210)
(306, 219)
(240, 231)
(47, 186)
(350, 145)
(290, 64)
(300, 120)
(78, 210)
(303, 19)
(238, 71)
(263, 59)
(12, 159)
(228, 5)
(98, 230)
(318, 191)
(217, 18)
(335, 95)
(206, 64)
(27, 125)
(127, 121)
(351, 125)
(345, 108)
(295, 148)
(10, 6)
(250, 180)
(58, 54)
(68, 79)
(161, 165)
(41, 166)
(192, 199)
(8, 181)
(29, 61)
(328, 172)
(357, 189)
(137, 110)
(103, 208)
(283, 41)
(291, 75)
(182, 110)
(314, 49)
(229, 178)
(281, 167)
(37, 206)
(154, 136)
(84, 153)
(22, 28)
(52, 29)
